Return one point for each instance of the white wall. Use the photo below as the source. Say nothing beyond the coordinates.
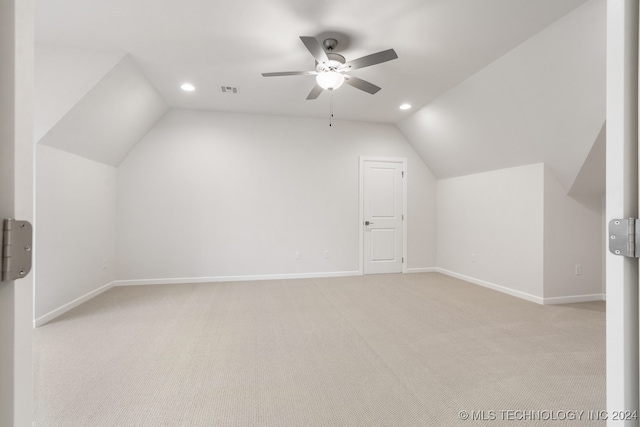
(543, 102)
(63, 76)
(76, 220)
(498, 217)
(572, 236)
(109, 120)
(515, 230)
(210, 195)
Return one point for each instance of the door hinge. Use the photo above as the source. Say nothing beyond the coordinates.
(17, 240)
(403, 174)
(403, 260)
(623, 237)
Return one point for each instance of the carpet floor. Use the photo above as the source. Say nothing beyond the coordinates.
(369, 351)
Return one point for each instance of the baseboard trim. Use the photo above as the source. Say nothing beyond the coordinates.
(422, 270)
(499, 288)
(244, 278)
(84, 298)
(68, 306)
(571, 299)
(247, 278)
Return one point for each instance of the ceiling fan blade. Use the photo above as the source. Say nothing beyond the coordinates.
(316, 49)
(361, 84)
(291, 73)
(373, 59)
(315, 92)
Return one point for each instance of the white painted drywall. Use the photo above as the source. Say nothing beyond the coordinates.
(591, 181)
(63, 75)
(107, 122)
(76, 220)
(572, 236)
(543, 102)
(490, 228)
(208, 194)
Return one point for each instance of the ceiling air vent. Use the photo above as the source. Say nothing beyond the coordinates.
(229, 89)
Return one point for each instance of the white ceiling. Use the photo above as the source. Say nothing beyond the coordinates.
(110, 119)
(543, 102)
(212, 43)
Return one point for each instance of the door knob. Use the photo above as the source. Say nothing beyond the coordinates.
(368, 223)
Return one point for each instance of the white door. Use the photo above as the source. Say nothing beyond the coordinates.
(383, 217)
(16, 194)
(622, 202)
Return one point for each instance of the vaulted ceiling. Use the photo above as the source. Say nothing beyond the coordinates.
(215, 43)
(542, 102)
(104, 56)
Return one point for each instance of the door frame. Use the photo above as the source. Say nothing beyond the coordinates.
(622, 340)
(362, 160)
(16, 201)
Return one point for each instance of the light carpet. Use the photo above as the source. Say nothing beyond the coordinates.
(384, 350)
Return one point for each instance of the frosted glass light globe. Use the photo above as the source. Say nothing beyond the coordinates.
(330, 80)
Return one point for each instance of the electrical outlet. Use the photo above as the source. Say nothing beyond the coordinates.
(578, 270)
(326, 254)
(104, 264)
(473, 257)
(298, 255)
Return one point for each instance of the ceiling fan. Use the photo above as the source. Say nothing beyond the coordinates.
(332, 68)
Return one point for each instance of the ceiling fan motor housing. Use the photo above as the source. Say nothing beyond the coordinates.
(335, 62)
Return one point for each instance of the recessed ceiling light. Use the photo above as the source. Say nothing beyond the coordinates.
(405, 106)
(187, 87)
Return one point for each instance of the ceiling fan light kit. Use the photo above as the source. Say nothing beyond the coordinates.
(330, 80)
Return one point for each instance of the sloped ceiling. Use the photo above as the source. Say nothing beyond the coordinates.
(591, 181)
(542, 102)
(213, 43)
(63, 75)
(111, 118)
(494, 83)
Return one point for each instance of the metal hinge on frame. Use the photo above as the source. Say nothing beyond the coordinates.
(623, 237)
(17, 237)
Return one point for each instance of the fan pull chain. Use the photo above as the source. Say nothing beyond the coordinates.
(331, 108)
